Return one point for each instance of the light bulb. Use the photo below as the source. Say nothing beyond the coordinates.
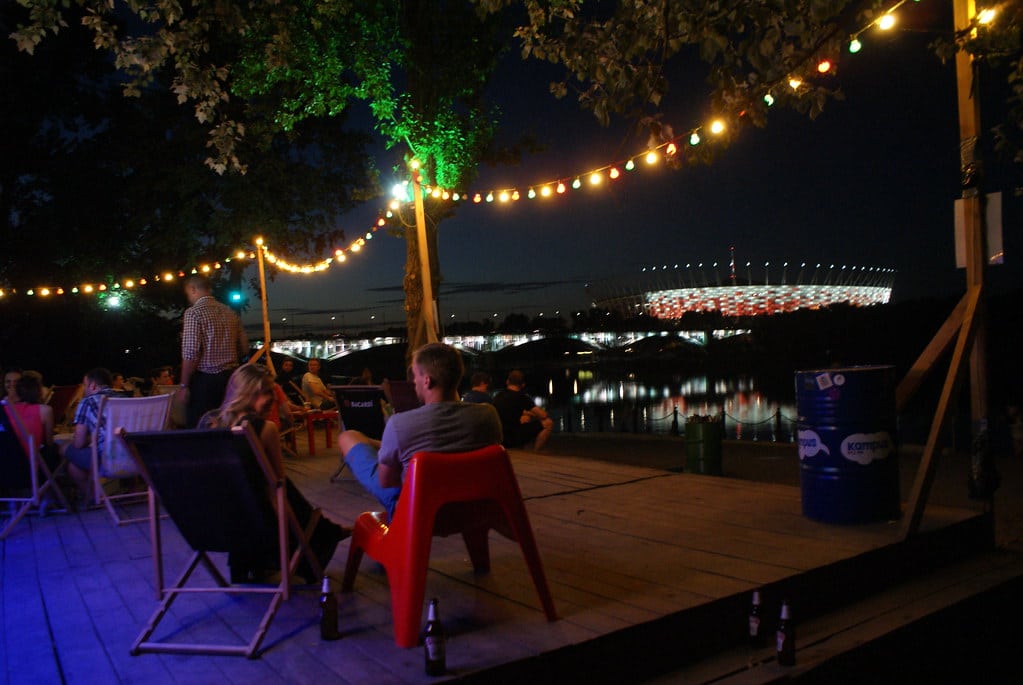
(651, 157)
(855, 46)
(694, 138)
(886, 21)
(717, 127)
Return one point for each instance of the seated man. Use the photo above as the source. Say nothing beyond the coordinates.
(78, 452)
(314, 389)
(479, 391)
(522, 421)
(442, 424)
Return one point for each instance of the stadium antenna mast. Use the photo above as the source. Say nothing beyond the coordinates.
(731, 264)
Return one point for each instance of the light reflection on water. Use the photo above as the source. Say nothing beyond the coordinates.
(583, 402)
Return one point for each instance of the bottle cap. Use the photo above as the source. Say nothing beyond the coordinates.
(784, 610)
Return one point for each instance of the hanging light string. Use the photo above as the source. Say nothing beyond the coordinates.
(553, 187)
(670, 150)
(109, 287)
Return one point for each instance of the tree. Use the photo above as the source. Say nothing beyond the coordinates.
(421, 66)
(117, 187)
(621, 58)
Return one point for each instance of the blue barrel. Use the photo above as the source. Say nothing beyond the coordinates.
(848, 455)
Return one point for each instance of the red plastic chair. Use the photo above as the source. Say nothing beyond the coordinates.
(463, 492)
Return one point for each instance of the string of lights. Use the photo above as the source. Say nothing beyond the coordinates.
(550, 188)
(111, 286)
(694, 136)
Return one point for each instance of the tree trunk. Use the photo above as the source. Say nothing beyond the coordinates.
(413, 286)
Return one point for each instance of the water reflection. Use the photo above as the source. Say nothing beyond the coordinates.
(588, 401)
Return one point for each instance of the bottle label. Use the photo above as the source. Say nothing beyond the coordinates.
(754, 626)
(781, 640)
(434, 648)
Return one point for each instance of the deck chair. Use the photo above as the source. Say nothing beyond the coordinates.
(61, 399)
(401, 395)
(361, 408)
(467, 493)
(178, 410)
(112, 459)
(222, 494)
(24, 475)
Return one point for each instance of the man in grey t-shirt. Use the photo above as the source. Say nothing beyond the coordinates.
(443, 424)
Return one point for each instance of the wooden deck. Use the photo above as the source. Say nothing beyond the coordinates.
(649, 569)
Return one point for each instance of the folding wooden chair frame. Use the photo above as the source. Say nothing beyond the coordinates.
(285, 520)
(133, 414)
(37, 471)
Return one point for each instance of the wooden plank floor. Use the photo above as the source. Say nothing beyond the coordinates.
(623, 546)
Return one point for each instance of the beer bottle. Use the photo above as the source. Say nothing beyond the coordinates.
(434, 642)
(786, 638)
(756, 633)
(328, 612)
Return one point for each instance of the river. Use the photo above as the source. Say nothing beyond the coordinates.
(589, 400)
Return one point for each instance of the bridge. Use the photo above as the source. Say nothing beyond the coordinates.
(335, 348)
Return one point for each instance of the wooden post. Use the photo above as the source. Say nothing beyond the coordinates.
(969, 133)
(966, 325)
(263, 297)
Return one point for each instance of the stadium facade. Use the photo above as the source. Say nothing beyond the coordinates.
(669, 291)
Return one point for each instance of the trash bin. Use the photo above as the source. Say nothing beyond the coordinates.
(703, 445)
(848, 458)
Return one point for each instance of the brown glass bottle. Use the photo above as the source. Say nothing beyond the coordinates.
(786, 638)
(756, 633)
(434, 642)
(328, 612)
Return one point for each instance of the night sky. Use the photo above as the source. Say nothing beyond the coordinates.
(869, 183)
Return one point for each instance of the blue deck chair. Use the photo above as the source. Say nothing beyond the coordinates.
(223, 495)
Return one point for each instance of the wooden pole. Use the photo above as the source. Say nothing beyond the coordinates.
(969, 133)
(969, 317)
(263, 297)
(429, 311)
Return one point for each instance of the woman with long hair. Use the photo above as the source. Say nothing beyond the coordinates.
(249, 395)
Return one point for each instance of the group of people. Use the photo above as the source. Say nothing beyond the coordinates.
(223, 390)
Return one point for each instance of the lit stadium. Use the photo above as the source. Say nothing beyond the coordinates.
(669, 291)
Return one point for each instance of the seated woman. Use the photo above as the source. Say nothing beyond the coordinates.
(36, 417)
(249, 395)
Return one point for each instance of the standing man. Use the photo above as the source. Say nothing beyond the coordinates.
(442, 424)
(521, 420)
(212, 344)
